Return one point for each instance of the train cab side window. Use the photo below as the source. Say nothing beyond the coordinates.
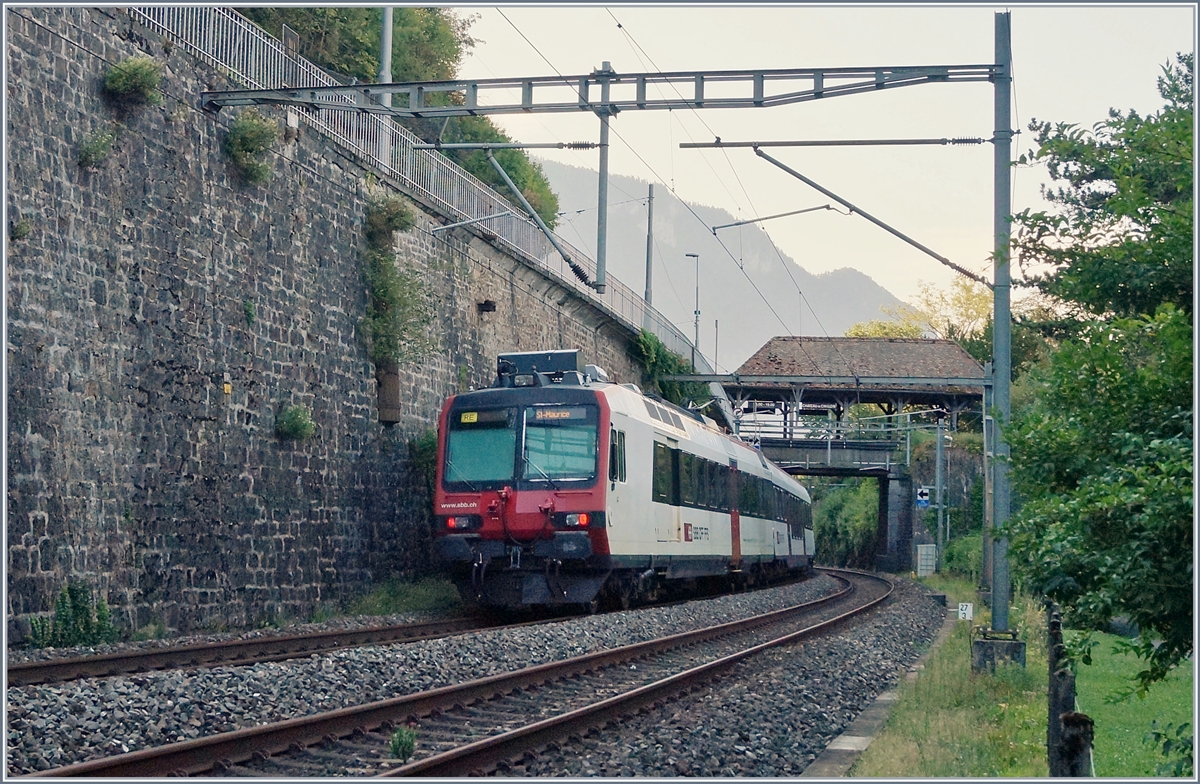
(616, 456)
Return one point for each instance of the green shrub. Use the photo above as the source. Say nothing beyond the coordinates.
(95, 148)
(294, 423)
(964, 556)
(249, 311)
(250, 136)
(403, 743)
(384, 218)
(20, 230)
(134, 81)
(396, 326)
(845, 520)
(76, 621)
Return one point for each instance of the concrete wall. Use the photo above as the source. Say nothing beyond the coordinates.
(129, 465)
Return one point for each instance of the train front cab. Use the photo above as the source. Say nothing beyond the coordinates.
(520, 500)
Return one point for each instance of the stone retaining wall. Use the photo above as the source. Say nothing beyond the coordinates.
(161, 312)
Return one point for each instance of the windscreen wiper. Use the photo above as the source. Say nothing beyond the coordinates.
(540, 471)
(450, 466)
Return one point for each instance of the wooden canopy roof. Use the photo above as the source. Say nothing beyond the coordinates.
(837, 371)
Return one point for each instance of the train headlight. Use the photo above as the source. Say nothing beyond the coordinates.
(463, 522)
(578, 519)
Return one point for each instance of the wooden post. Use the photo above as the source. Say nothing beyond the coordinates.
(1068, 733)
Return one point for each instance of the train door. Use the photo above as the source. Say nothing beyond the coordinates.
(735, 519)
(783, 541)
(618, 509)
(668, 519)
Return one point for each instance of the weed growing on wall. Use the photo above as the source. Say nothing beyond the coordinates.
(134, 81)
(294, 423)
(385, 217)
(20, 230)
(249, 311)
(76, 621)
(95, 148)
(396, 327)
(250, 136)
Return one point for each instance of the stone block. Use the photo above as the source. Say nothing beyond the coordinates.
(986, 654)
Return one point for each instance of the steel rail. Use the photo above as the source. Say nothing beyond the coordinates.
(231, 653)
(201, 755)
(482, 755)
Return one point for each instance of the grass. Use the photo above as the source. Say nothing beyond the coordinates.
(1118, 748)
(429, 594)
(951, 723)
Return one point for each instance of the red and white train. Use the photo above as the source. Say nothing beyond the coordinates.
(555, 487)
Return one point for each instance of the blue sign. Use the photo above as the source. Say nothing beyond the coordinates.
(922, 497)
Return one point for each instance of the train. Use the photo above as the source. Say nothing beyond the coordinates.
(557, 488)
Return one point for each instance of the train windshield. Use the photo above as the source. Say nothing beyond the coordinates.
(556, 443)
(560, 443)
(481, 447)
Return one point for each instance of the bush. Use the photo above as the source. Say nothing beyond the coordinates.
(964, 556)
(384, 218)
(134, 81)
(250, 136)
(95, 148)
(396, 326)
(844, 522)
(294, 423)
(20, 230)
(76, 621)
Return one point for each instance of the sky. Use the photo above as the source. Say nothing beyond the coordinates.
(1070, 64)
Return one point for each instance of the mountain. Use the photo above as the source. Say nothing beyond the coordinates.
(833, 301)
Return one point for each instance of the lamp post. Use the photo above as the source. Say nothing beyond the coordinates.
(696, 339)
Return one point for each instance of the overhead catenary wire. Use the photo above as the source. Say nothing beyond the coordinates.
(782, 261)
(697, 217)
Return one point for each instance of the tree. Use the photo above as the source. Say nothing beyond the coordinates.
(886, 328)
(845, 519)
(1119, 241)
(427, 44)
(1102, 459)
(657, 361)
(962, 313)
(1101, 431)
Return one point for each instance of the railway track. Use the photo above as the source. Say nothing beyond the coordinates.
(231, 653)
(479, 725)
(236, 653)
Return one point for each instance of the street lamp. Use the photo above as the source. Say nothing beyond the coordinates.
(696, 340)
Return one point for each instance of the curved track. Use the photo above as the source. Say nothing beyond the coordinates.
(230, 653)
(479, 725)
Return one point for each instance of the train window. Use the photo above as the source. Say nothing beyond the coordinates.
(480, 447)
(613, 465)
(616, 456)
(687, 479)
(721, 482)
(560, 443)
(652, 410)
(663, 479)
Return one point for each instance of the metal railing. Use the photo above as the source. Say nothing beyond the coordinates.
(248, 55)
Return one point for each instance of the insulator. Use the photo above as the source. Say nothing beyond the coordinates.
(579, 271)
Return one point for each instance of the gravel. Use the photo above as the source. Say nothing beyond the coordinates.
(60, 724)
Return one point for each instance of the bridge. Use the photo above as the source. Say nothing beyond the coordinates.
(792, 398)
